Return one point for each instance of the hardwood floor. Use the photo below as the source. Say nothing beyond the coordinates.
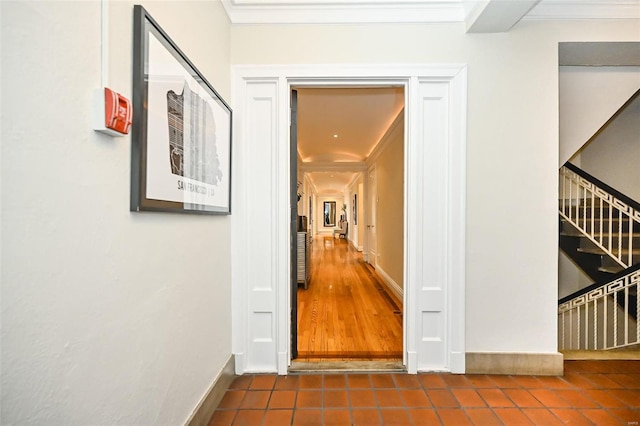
(346, 312)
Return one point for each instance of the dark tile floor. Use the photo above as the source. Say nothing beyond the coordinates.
(590, 393)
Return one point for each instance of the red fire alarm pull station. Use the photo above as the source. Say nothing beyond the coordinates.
(114, 113)
(117, 111)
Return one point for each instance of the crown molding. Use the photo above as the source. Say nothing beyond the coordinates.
(396, 126)
(312, 184)
(343, 12)
(356, 177)
(426, 11)
(585, 10)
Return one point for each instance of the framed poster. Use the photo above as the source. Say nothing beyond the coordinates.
(181, 131)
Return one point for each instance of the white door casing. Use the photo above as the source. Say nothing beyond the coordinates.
(434, 236)
(372, 204)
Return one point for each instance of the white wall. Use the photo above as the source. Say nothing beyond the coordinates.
(512, 114)
(613, 156)
(108, 316)
(390, 204)
(589, 96)
(570, 277)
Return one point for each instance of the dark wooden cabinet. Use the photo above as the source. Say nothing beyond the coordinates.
(304, 258)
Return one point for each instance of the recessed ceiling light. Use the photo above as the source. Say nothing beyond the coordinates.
(335, 136)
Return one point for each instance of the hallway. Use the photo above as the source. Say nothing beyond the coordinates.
(346, 312)
(589, 393)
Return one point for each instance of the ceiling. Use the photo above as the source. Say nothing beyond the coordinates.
(344, 124)
(331, 182)
(338, 129)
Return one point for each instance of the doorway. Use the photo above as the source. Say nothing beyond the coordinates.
(434, 211)
(346, 309)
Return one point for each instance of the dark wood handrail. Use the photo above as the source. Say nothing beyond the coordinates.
(622, 197)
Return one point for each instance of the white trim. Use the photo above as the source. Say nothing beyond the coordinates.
(239, 243)
(390, 283)
(273, 256)
(239, 363)
(340, 12)
(411, 361)
(497, 15)
(282, 259)
(456, 226)
(353, 182)
(368, 193)
(416, 11)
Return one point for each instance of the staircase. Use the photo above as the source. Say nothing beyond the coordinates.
(589, 255)
(600, 232)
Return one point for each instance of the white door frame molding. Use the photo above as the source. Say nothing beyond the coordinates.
(370, 192)
(435, 182)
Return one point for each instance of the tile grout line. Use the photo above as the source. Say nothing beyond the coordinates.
(555, 387)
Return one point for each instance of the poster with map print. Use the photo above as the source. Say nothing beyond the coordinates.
(181, 150)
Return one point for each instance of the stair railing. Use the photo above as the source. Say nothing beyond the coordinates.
(600, 212)
(601, 316)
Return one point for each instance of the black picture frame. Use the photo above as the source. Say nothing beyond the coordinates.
(181, 130)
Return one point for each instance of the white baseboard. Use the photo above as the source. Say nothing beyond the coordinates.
(355, 247)
(390, 283)
(210, 401)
